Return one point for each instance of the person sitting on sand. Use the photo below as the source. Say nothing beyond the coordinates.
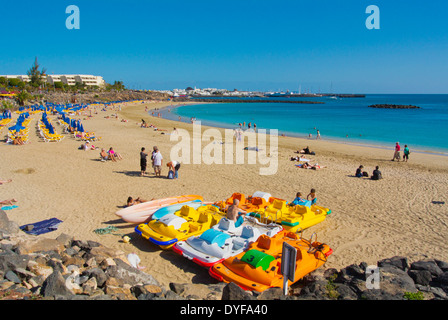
(114, 156)
(376, 174)
(235, 214)
(18, 140)
(359, 173)
(131, 201)
(104, 155)
(8, 202)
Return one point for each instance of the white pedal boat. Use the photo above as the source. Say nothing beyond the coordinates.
(224, 240)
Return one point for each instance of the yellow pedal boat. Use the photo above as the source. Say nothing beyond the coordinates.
(180, 225)
(292, 218)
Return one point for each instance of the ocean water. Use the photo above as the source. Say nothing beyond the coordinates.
(347, 120)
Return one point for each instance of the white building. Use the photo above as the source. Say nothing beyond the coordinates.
(70, 79)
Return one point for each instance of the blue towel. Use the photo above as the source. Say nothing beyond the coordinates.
(9, 207)
(42, 226)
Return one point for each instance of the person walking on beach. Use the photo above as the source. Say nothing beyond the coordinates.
(397, 152)
(143, 161)
(406, 153)
(158, 159)
(318, 135)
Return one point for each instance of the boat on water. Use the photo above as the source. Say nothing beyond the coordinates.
(224, 240)
(143, 212)
(259, 267)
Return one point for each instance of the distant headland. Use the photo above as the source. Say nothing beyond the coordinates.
(393, 106)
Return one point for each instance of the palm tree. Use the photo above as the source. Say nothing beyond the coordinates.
(22, 96)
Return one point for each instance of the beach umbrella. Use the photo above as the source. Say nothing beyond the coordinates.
(16, 128)
(81, 128)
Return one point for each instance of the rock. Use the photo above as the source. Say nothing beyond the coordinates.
(108, 262)
(177, 288)
(72, 260)
(233, 292)
(271, 294)
(12, 276)
(345, 292)
(65, 240)
(170, 295)
(12, 262)
(442, 265)
(7, 226)
(397, 262)
(98, 274)
(396, 281)
(429, 265)
(54, 285)
(89, 287)
(129, 274)
(39, 269)
(421, 277)
(39, 245)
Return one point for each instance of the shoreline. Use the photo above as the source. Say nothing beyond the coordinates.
(370, 220)
(371, 144)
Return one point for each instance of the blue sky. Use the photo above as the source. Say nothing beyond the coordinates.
(244, 44)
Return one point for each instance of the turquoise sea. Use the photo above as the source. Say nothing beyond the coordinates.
(347, 120)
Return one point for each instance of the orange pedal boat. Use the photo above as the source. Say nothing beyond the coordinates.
(258, 201)
(259, 268)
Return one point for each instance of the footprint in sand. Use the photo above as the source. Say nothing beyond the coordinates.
(25, 171)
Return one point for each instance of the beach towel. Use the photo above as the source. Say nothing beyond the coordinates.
(42, 226)
(9, 207)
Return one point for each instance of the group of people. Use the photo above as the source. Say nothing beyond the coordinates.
(376, 174)
(249, 125)
(236, 214)
(397, 151)
(157, 161)
(110, 155)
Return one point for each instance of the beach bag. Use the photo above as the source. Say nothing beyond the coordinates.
(170, 174)
(365, 174)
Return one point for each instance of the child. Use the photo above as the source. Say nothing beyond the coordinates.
(312, 196)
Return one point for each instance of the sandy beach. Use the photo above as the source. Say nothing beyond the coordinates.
(370, 220)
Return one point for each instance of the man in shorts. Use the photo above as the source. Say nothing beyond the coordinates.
(157, 159)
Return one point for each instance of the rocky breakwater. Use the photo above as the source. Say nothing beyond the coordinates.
(34, 267)
(393, 106)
